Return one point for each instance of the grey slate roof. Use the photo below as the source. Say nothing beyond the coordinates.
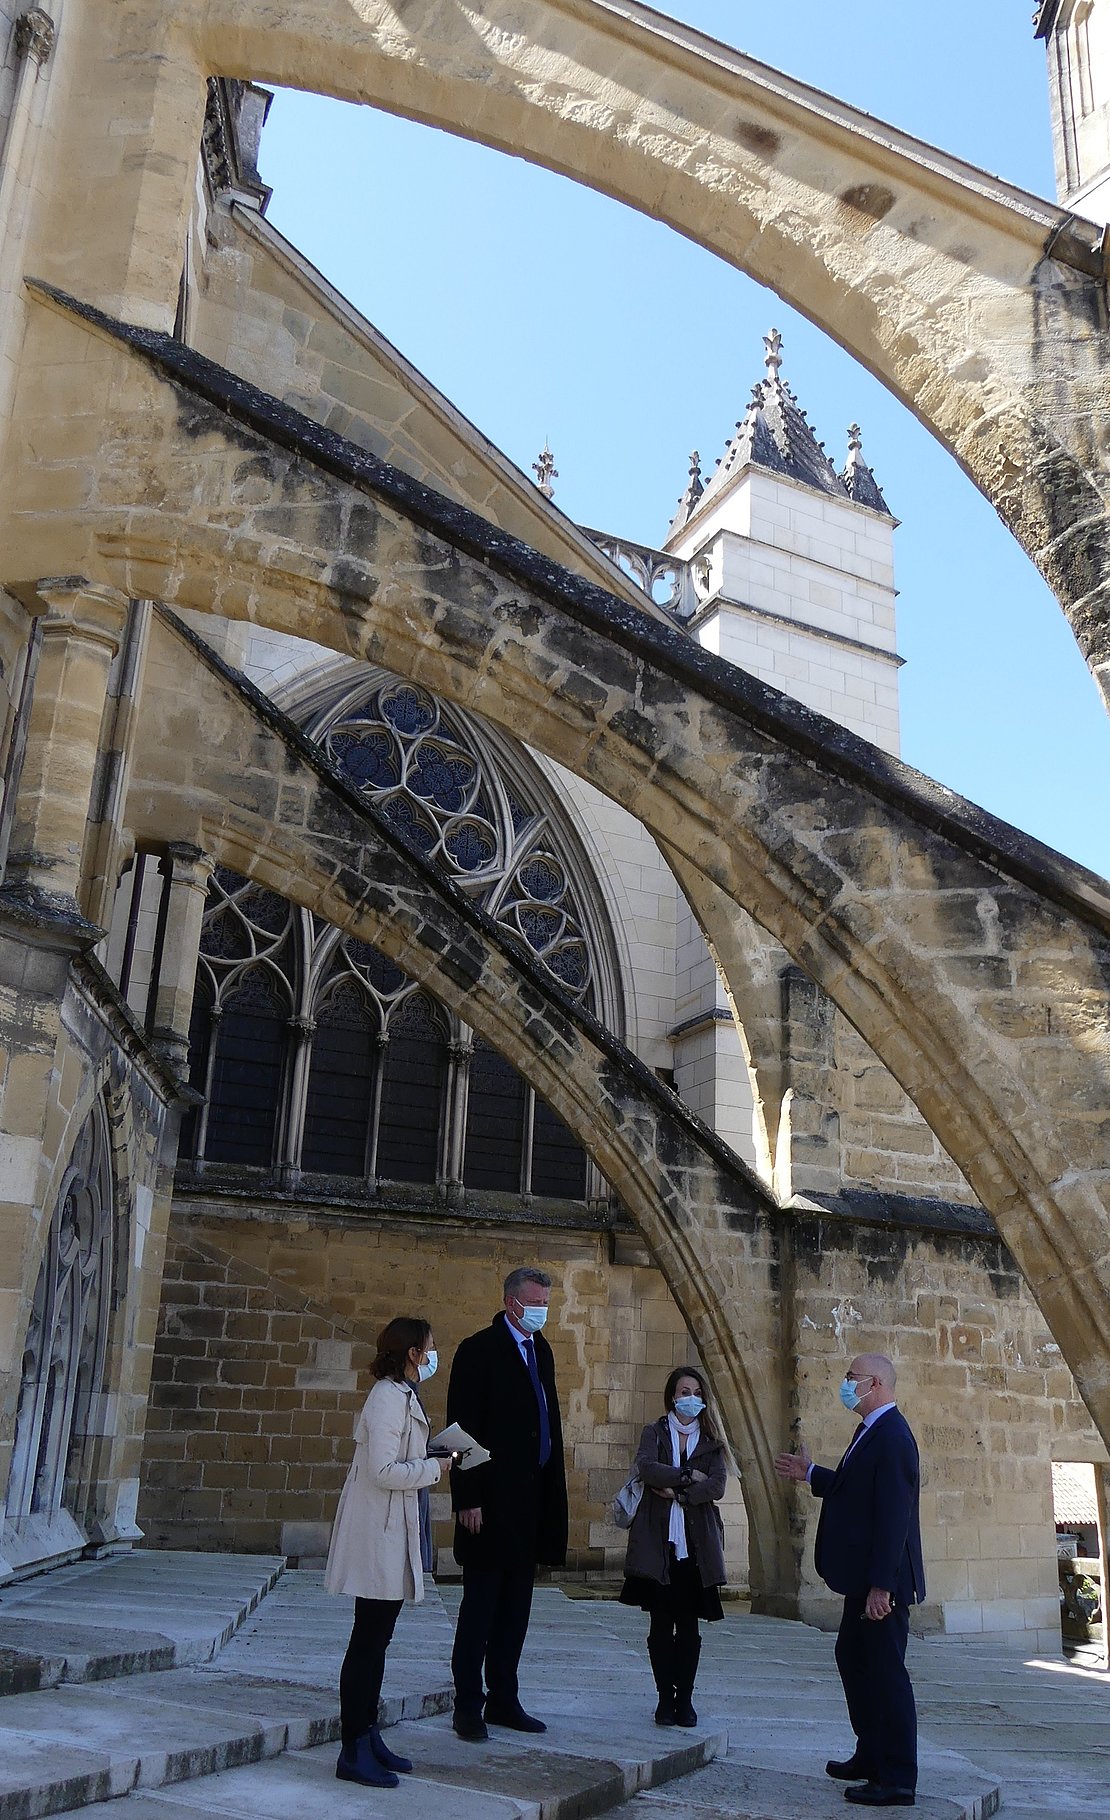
(775, 434)
(857, 478)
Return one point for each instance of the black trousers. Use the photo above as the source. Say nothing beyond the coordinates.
(871, 1658)
(490, 1633)
(360, 1678)
(674, 1641)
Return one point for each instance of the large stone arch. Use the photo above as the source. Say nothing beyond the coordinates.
(980, 306)
(973, 962)
(259, 797)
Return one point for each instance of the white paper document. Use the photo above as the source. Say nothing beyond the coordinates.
(456, 1440)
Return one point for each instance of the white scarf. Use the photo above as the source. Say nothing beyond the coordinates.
(676, 1528)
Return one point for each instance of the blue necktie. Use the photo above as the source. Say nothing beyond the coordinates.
(860, 1431)
(541, 1401)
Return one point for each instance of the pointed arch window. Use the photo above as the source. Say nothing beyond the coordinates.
(65, 1351)
(558, 1160)
(342, 1082)
(318, 1060)
(414, 1076)
(248, 1066)
(494, 1158)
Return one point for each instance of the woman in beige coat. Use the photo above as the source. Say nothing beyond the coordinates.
(375, 1541)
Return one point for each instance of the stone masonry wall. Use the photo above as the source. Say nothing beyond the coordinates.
(265, 313)
(986, 1391)
(263, 1354)
(851, 1125)
(884, 1141)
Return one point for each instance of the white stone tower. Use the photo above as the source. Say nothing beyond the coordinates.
(793, 568)
(794, 563)
(1076, 34)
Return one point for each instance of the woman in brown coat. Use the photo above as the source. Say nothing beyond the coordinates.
(675, 1564)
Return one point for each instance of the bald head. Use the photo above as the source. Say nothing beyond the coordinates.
(874, 1365)
(875, 1376)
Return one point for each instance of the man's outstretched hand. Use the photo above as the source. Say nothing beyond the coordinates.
(794, 1465)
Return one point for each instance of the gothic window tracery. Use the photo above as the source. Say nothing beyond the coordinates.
(64, 1356)
(403, 750)
(318, 1057)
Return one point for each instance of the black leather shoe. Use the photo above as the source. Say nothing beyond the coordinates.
(684, 1714)
(514, 1717)
(851, 1770)
(664, 1712)
(471, 1727)
(877, 1794)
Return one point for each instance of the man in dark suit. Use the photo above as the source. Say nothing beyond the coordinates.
(869, 1549)
(511, 1514)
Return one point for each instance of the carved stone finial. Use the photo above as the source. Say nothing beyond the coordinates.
(695, 487)
(773, 357)
(855, 438)
(545, 471)
(34, 34)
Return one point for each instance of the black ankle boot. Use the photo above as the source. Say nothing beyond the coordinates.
(386, 1757)
(361, 1765)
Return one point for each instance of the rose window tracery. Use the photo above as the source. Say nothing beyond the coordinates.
(401, 749)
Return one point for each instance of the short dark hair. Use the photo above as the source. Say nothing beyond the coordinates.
(525, 1273)
(395, 1341)
(708, 1426)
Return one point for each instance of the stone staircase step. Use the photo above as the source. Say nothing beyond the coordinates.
(509, 1778)
(126, 1615)
(253, 1730)
(736, 1789)
(299, 1634)
(273, 1688)
(72, 1746)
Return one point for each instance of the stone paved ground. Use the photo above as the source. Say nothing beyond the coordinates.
(243, 1734)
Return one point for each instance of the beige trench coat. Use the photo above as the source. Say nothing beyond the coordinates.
(375, 1540)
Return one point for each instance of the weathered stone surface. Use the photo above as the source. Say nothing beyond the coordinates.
(704, 1215)
(734, 780)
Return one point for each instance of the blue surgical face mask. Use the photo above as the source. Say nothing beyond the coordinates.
(429, 1367)
(687, 1409)
(530, 1319)
(849, 1394)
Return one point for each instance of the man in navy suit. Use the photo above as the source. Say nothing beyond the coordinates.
(511, 1513)
(869, 1549)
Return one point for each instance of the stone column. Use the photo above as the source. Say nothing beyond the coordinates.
(291, 1134)
(107, 842)
(808, 1159)
(33, 43)
(381, 1046)
(526, 1139)
(81, 631)
(459, 1053)
(188, 871)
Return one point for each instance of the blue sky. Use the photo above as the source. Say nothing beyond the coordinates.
(544, 310)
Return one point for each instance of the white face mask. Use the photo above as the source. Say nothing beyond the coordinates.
(429, 1367)
(530, 1320)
